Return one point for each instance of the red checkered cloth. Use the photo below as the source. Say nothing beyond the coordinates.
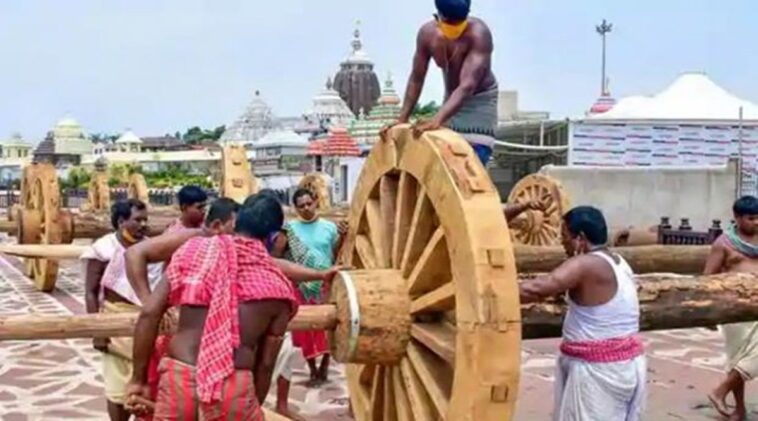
(220, 272)
(605, 350)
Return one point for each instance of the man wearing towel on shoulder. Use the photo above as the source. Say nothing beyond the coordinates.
(462, 47)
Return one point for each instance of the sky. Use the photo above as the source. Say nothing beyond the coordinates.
(161, 66)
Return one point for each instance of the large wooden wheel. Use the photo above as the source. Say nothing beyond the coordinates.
(426, 210)
(41, 221)
(316, 182)
(237, 181)
(537, 228)
(98, 193)
(137, 188)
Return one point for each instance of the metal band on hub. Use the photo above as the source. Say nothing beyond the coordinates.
(355, 312)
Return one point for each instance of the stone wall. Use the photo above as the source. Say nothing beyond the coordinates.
(640, 196)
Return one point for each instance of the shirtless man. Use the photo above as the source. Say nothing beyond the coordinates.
(737, 251)
(106, 283)
(600, 374)
(462, 47)
(192, 202)
(231, 321)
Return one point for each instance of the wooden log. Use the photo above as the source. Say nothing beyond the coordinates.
(642, 259)
(38, 326)
(667, 301)
(45, 251)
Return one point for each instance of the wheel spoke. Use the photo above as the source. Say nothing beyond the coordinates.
(390, 406)
(406, 203)
(438, 337)
(421, 406)
(376, 232)
(434, 373)
(365, 252)
(366, 373)
(387, 203)
(433, 266)
(440, 299)
(377, 394)
(358, 394)
(422, 228)
(404, 412)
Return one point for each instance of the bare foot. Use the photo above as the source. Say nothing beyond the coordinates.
(719, 403)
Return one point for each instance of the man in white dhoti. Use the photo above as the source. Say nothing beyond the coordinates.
(600, 372)
(737, 251)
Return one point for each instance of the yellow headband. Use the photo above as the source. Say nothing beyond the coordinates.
(452, 31)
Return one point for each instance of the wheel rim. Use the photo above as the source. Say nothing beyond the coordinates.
(537, 228)
(428, 208)
(44, 200)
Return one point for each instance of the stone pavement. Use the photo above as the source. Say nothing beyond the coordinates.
(53, 380)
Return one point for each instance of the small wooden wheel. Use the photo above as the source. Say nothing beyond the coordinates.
(425, 210)
(137, 188)
(537, 228)
(316, 183)
(41, 221)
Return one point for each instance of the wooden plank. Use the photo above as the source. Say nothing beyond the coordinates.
(406, 203)
(366, 373)
(365, 251)
(387, 201)
(438, 337)
(422, 227)
(441, 299)
(433, 267)
(404, 412)
(421, 406)
(435, 374)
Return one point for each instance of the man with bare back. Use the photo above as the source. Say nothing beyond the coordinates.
(462, 47)
(235, 302)
(737, 251)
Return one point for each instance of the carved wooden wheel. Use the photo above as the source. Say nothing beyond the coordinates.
(137, 188)
(237, 181)
(425, 214)
(316, 182)
(534, 227)
(98, 193)
(41, 221)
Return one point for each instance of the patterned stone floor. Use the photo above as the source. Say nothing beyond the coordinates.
(54, 380)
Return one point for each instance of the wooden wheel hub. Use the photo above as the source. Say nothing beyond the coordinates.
(425, 215)
(537, 228)
(373, 316)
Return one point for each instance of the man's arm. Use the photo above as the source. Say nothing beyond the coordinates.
(715, 261)
(152, 250)
(475, 68)
(280, 245)
(92, 278)
(565, 277)
(418, 75)
(298, 273)
(146, 330)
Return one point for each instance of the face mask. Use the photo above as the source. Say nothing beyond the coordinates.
(452, 31)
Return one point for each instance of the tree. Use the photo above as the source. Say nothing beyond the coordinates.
(426, 111)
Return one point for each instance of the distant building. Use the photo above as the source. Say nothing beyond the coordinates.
(162, 144)
(329, 109)
(16, 153)
(365, 130)
(255, 122)
(356, 81)
(64, 145)
(129, 142)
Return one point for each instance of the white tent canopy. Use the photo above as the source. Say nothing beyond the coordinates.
(692, 96)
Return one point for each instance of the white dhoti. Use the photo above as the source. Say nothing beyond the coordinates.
(283, 365)
(599, 391)
(742, 348)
